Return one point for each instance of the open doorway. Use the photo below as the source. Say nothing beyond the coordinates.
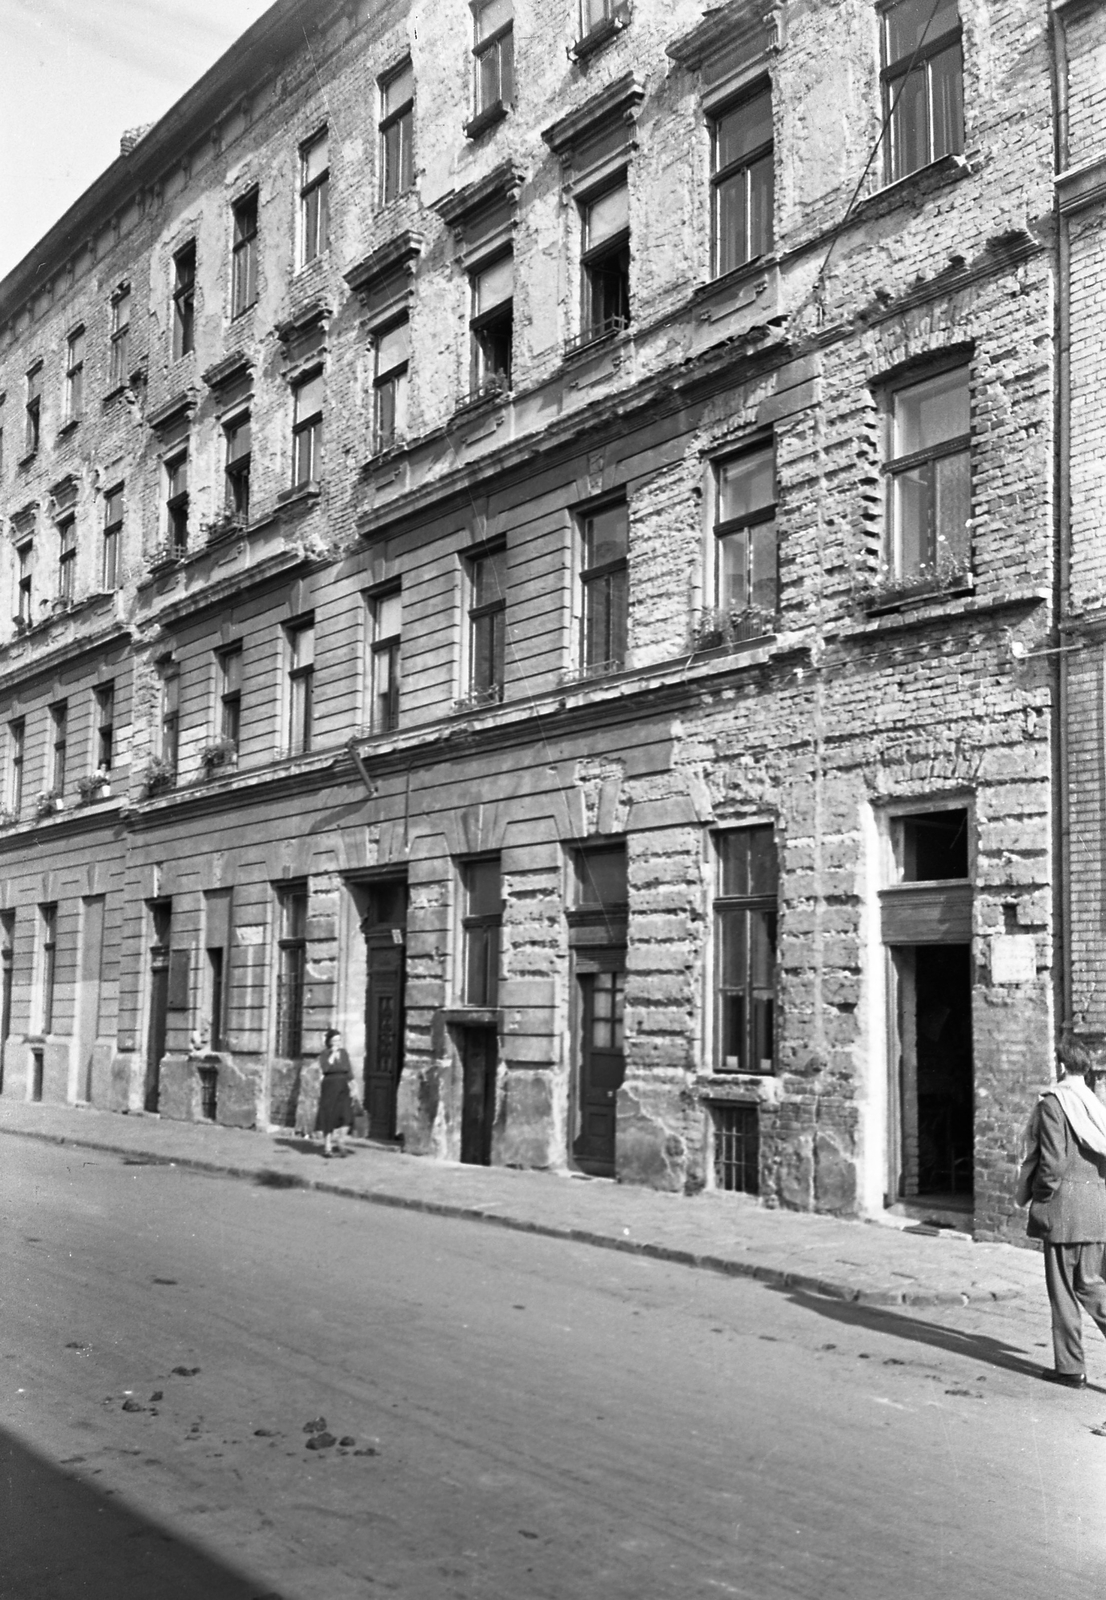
(935, 1088)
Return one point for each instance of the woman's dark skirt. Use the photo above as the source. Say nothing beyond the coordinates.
(335, 1110)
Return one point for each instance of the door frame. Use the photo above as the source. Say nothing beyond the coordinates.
(587, 959)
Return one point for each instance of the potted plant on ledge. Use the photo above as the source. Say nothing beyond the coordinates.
(95, 786)
(47, 804)
(156, 777)
(218, 754)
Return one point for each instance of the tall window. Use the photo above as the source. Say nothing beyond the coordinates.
(482, 918)
(307, 429)
(169, 674)
(492, 324)
(59, 740)
(3, 400)
(397, 133)
(742, 182)
(487, 618)
(386, 615)
(48, 929)
(237, 435)
(494, 55)
(923, 84)
(745, 558)
(176, 503)
(746, 893)
(291, 969)
(120, 336)
(25, 555)
(113, 536)
(17, 736)
(596, 14)
(928, 476)
(184, 301)
(606, 262)
(244, 254)
(74, 375)
(314, 197)
(67, 560)
(230, 694)
(33, 410)
(301, 684)
(603, 579)
(105, 727)
(392, 356)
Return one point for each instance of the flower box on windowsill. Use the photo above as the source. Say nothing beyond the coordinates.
(493, 392)
(164, 558)
(221, 529)
(8, 819)
(887, 592)
(94, 786)
(592, 670)
(219, 755)
(596, 334)
(723, 626)
(477, 699)
(156, 777)
(48, 805)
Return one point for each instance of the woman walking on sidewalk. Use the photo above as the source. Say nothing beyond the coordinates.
(335, 1112)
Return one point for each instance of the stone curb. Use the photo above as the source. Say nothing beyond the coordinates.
(774, 1277)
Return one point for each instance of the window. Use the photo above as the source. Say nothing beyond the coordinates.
(3, 398)
(307, 429)
(243, 291)
(392, 355)
(33, 410)
(67, 560)
(928, 477)
(291, 969)
(483, 916)
(25, 555)
(397, 133)
(237, 435)
(606, 262)
(386, 614)
(745, 563)
(74, 375)
(120, 337)
(48, 929)
(492, 324)
(487, 616)
(931, 845)
(59, 732)
(184, 301)
(494, 53)
(169, 673)
(17, 735)
(113, 536)
(105, 727)
(596, 14)
(603, 581)
(301, 685)
(736, 1148)
(230, 694)
(314, 197)
(742, 182)
(601, 879)
(923, 84)
(745, 950)
(176, 503)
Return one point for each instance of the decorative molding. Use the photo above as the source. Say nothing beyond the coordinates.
(237, 365)
(180, 407)
(619, 100)
(503, 184)
(741, 22)
(306, 320)
(397, 257)
(1081, 187)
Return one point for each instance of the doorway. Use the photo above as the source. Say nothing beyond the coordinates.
(7, 968)
(935, 1089)
(161, 914)
(479, 1056)
(384, 927)
(602, 1062)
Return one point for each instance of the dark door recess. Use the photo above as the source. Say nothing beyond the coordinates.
(384, 928)
(602, 1068)
(159, 1000)
(478, 1064)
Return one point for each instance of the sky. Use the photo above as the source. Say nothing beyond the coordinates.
(74, 74)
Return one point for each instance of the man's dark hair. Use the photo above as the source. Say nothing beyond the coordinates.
(1078, 1057)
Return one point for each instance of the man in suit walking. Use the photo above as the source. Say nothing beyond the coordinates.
(1063, 1180)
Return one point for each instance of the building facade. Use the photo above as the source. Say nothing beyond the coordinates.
(535, 551)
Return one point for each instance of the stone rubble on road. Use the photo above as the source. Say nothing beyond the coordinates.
(732, 1234)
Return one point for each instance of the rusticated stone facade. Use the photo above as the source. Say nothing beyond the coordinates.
(878, 1046)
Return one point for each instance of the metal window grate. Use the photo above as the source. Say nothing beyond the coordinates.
(209, 1090)
(736, 1148)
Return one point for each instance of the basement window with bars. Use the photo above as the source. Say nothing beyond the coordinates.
(736, 1131)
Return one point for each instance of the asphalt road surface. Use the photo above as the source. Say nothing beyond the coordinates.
(531, 1419)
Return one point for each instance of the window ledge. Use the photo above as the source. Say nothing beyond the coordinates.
(750, 1088)
(485, 399)
(591, 338)
(300, 491)
(114, 393)
(940, 607)
(597, 37)
(754, 272)
(479, 700)
(922, 181)
(69, 427)
(486, 119)
(25, 461)
(472, 1016)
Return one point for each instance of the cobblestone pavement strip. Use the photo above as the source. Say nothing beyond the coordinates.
(864, 1262)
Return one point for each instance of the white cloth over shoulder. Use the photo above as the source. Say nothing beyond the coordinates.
(1086, 1117)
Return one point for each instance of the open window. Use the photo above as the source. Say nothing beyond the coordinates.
(605, 261)
(923, 84)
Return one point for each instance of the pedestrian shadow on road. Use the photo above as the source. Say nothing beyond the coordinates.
(64, 1537)
(878, 1319)
(302, 1147)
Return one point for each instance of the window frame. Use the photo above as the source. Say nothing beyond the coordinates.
(594, 262)
(397, 135)
(67, 558)
(184, 300)
(314, 200)
(74, 375)
(244, 251)
(487, 327)
(169, 712)
(48, 953)
(301, 685)
(743, 167)
(481, 936)
(498, 46)
(17, 756)
(33, 410)
(237, 468)
(307, 432)
(385, 657)
(894, 468)
(114, 500)
(230, 663)
(747, 906)
(599, 576)
(490, 617)
(104, 700)
(740, 622)
(292, 913)
(24, 583)
(59, 745)
(177, 500)
(120, 337)
(390, 388)
(894, 76)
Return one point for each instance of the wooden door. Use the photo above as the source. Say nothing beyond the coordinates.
(383, 1033)
(159, 1003)
(479, 1048)
(602, 1067)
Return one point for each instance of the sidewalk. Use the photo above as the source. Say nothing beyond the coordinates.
(726, 1233)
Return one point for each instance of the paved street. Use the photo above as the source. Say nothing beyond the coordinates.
(532, 1419)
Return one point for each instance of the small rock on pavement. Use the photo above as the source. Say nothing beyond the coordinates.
(264, 1433)
(316, 1426)
(132, 1405)
(369, 1451)
(185, 1372)
(1100, 1430)
(348, 1440)
(157, 1395)
(321, 1441)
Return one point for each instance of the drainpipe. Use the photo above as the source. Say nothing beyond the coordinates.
(1061, 535)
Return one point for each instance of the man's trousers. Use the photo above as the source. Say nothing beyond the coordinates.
(1074, 1276)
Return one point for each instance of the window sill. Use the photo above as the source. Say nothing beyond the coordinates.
(486, 398)
(25, 461)
(607, 333)
(754, 272)
(908, 596)
(938, 608)
(69, 427)
(488, 118)
(597, 37)
(300, 491)
(937, 175)
(119, 390)
(748, 1088)
(479, 700)
(472, 1016)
